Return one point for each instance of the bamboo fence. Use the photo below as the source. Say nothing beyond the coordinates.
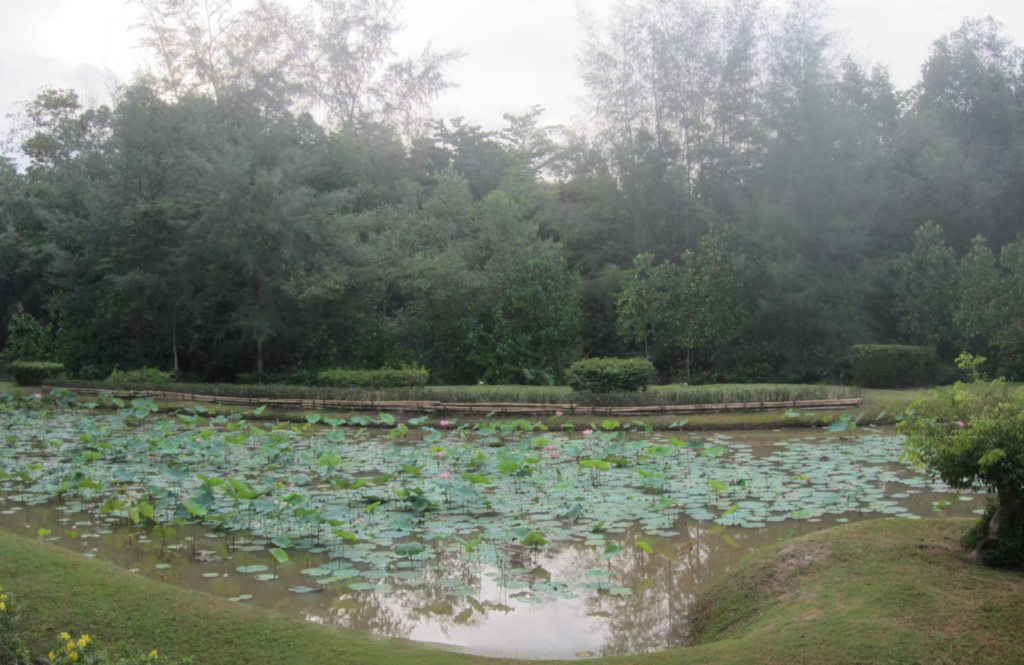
(479, 408)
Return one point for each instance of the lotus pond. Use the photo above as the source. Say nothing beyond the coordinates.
(500, 539)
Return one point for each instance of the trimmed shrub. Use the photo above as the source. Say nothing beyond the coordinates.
(148, 375)
(373, 378)
(610, 375)
(294, 378)
(893, 365)
(34, 372)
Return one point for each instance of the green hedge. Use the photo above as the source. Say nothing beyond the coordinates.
(373, 378)
(147, 375)
(893, 365)
(609, 375)
(34, 372)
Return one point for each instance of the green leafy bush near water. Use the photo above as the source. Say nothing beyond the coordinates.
(974, 440)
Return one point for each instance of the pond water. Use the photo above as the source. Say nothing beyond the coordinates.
(506, 540)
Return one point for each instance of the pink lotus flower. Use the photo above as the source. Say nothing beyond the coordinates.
(552, 453)
(445, 423)
(588, 432)
(439, 454)
(558, 413)
(444, 475)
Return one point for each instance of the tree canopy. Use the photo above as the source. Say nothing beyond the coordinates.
(274, 198)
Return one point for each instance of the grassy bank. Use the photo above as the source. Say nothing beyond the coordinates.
(879, 591)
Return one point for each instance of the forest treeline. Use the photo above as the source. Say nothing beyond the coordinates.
(272, 197)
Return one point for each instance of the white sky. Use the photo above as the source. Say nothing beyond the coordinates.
(518, 53)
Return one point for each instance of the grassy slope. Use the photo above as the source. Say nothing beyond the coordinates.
(880, 591)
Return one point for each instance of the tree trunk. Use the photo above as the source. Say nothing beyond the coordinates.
(689, 355)
(259, 357)
(174, 346)
(1007, 522)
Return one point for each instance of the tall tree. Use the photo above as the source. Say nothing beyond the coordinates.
(976, 312)
(926, 276)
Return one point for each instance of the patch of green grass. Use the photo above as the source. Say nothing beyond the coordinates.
(879, 591)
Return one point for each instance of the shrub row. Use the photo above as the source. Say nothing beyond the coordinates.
(373, 378)
(610, 375)
(34, 372)
(147, 375)
(298, 377)
(893, 365)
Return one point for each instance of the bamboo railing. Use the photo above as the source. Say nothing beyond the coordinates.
(478, 408)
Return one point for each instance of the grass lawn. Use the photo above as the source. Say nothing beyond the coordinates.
(879, 591)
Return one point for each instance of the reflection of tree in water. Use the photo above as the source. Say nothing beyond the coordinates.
(366, 611)
(396, 612)
(664, 586)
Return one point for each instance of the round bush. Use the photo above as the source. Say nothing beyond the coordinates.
(609, 375)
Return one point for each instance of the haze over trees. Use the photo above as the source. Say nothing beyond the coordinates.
(273, 198)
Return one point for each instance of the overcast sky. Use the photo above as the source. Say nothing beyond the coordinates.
(518, 52)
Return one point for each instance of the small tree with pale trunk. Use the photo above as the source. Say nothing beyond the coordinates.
(972, 436)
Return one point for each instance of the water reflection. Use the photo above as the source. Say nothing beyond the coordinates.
(535, 603)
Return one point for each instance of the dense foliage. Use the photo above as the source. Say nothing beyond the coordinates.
(609, 375)
(146, 375)
(374, 378)
(892, 365)
(972, 436)
(272, 199)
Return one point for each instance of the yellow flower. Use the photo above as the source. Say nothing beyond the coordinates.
(70, 646)
(73, 656)
(64, 637)
(84, 641)
(154, 654)
(52, 656)
(3, 606)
